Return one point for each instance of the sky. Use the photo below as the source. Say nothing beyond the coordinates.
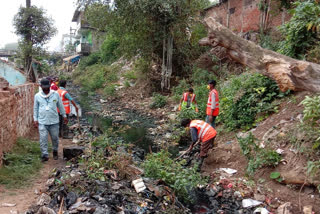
(61, 11)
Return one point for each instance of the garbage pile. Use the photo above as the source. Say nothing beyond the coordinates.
(71, 191)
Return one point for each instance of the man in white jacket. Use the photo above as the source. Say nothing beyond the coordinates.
(46, 118)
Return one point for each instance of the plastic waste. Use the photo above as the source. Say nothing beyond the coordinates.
(138, 185)
(250, 203)
(261, 210)
(228, 170)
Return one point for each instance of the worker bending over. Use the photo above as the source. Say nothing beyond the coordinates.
(202, 132)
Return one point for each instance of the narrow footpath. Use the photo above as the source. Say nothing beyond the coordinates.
(24, 197)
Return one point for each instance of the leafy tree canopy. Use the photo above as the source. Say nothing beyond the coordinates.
(33, 23)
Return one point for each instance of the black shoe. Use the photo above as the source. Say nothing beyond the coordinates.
(44, 159)
(55, 155)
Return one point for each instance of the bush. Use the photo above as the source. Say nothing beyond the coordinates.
(311, 116)
(108, 50)
(301, 31)
(201, 76)
(257, 157)
(93, 58)
(130, 75)
(244, 96)
(188, 113)
(182, 180)
(110, 90)
(93, 77)
(158, 101)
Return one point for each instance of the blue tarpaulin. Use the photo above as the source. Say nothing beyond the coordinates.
(71, 59)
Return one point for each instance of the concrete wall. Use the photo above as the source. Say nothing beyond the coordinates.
(16, 115)
(244, 15)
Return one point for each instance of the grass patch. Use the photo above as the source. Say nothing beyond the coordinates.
(21, 164)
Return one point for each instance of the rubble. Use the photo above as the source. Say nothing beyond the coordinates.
(72, 152)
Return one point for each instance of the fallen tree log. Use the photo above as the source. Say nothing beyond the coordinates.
(289, 73)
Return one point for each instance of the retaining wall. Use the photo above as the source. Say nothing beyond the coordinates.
(16, 114)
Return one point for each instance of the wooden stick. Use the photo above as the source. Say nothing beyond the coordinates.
(61, 206)
(187, 150)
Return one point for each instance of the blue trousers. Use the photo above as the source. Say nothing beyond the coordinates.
(213, 121)
(44, 130)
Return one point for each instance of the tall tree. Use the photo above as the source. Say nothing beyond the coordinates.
(36, 29)
(150, 28)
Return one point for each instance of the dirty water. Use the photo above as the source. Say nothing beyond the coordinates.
(132, 125)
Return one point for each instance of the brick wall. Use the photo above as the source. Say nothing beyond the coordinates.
(244, 15)
(16, 114)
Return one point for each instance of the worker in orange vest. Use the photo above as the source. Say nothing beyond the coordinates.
(188, 100)
(202, 132)
(66, 99)
(212, 104)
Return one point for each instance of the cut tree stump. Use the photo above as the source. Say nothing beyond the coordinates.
(289, 73)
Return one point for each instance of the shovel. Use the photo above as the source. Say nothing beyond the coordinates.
(187, 151)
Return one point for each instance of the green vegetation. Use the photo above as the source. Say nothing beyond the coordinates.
(98, 76)
(245, 96)
(257, 157)
(301, 31)
(158, 101)
(311, 116)
(35, 29)
(276, 176)
(21, 164)
(182, 180)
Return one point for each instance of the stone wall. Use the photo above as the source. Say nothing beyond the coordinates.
(244, 15)
(16, 114)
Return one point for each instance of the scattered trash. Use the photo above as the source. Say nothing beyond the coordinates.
(138, 185)
(279, 151)
(285, 208)
(44, 199)
(259, 197)
(228, 170)
(72, 152)
(103, 101)
(307, 209)
(261, 210)
(250, 203)
(46, 210)
(8, 205)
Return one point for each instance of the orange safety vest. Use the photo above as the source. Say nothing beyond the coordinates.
(185, 97)
(205, 130)
(216, 110)
(65, 101)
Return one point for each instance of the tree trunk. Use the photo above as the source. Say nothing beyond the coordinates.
(28, 55)
(289, 73)
(166, 70)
